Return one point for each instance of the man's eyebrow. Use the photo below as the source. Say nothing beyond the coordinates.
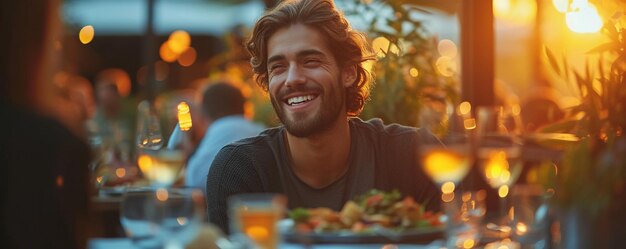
(310, 52)
(302, 53)
(275, 58)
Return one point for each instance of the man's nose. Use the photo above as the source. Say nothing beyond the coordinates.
(294, 76)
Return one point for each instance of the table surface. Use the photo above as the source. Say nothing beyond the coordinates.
(125, 243)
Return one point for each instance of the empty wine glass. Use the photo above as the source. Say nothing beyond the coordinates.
(499, 152)
(149, 135)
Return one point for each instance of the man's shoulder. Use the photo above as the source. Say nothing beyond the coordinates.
(376, 125)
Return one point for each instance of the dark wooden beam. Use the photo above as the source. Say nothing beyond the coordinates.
(477, 52)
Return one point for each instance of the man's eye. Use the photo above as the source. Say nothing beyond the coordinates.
(312, 61)
(275, 67)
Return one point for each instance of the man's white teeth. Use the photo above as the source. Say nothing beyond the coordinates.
(299, 99)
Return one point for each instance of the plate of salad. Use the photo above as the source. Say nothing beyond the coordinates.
(375, 217)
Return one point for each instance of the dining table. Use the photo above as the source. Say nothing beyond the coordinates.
(126, 243)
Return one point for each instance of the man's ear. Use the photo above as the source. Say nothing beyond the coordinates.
(348, 76)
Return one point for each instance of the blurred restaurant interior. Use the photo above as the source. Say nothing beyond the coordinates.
(125, 74)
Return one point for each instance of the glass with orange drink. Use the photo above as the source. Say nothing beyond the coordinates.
(256, 216)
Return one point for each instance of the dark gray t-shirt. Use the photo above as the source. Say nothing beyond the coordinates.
(358, 179)
(381, 156)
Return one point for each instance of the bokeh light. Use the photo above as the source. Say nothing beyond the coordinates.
(447, 187)
(447, 48)
(560, 5)
(179, 41)
(166, 53)
(188, 57)
(382, 45)
(446, 66)
(583, 17)
(414, 72)
(86, 34)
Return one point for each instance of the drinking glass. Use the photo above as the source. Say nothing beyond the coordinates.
(530, 216)
(256, 216)
(162, 167)
(499, 152)
(162, 217)
(149, 135)
(446, 159)
(464, 218)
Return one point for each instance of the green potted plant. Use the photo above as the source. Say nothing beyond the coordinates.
(591, 181)
(406, 74)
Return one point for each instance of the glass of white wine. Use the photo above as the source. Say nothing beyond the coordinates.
(162, 168)
(447, 158)
(499, 153)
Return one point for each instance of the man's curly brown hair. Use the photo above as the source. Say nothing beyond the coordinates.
(349, 47)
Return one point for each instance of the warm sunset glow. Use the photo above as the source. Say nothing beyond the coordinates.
(184, 116)
(414, 72)
(188, 57)
(368, 65)
(447, 48)
(86, 34)
(382, 45)
(447, 187)
(179, 41)
(166, 53)
(583, 17)
(515, 11)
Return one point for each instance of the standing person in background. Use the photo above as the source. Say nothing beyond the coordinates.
(44, 179)
(308, 58)
(223, 106)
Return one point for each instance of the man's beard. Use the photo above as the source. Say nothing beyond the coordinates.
(324, 118)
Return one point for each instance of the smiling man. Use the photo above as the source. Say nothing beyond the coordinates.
(309, 59)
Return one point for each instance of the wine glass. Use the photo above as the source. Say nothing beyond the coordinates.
(162, 168)
(162, 217)
(149, 135)
(499, 152)
(447, 158)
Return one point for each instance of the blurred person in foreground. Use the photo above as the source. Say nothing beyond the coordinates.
(309, 59)
(223, 106)
(44, 178)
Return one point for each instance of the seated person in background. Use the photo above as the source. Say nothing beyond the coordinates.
(223, 109)
(309, 59)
